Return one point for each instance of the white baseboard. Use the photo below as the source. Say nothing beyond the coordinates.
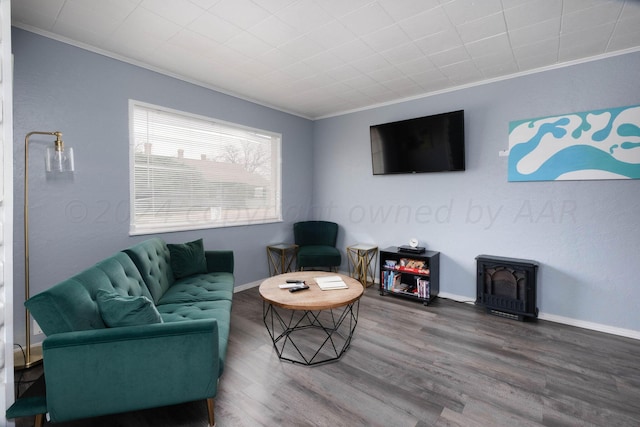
(628, 333)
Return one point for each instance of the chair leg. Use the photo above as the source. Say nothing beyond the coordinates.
(39, 421)
(210, 406)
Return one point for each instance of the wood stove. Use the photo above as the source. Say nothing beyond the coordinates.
(507, 286)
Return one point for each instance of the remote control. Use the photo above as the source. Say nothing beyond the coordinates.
(295, 281)
(299, 288)
(290, 285)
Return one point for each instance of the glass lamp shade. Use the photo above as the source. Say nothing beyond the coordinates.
(59, 160)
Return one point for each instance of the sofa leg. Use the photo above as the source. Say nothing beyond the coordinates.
(39, 421)
(210, 406)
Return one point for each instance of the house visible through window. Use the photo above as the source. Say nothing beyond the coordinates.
(190, 172)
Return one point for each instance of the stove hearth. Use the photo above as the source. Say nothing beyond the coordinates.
(507, 286)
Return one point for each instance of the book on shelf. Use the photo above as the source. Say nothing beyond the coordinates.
(327, 283)
(422, 286)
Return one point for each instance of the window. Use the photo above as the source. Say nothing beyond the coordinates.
(190, 172)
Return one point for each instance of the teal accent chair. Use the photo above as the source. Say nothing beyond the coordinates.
(316, 242)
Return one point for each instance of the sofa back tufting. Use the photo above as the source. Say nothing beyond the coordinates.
(153, 260)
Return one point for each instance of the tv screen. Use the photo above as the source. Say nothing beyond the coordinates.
(424, 144)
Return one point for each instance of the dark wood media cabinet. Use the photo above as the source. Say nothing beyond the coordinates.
(412, 275)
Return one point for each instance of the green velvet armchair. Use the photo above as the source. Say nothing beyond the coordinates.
(316, 242)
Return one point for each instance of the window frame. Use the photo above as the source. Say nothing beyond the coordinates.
(187, 224)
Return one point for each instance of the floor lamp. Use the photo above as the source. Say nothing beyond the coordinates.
(57, 160)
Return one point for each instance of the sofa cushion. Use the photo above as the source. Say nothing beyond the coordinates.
(187, 259)
(152, 258)
(201, 287)
(120, 310)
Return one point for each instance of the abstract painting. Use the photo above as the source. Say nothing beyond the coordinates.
(599, 144)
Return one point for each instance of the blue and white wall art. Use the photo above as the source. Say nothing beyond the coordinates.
(599, 144)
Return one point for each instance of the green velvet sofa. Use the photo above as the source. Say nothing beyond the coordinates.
(144, 328)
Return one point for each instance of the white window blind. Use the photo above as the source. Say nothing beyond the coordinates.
(191, 172)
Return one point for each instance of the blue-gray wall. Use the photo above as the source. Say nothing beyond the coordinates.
(85, 96)
(585, 234)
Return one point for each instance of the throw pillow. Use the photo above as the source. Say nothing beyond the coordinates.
(119, 310)
(187, 259)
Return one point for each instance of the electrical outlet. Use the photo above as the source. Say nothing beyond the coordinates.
(36, 330)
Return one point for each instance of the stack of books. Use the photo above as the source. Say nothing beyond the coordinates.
(327, 283)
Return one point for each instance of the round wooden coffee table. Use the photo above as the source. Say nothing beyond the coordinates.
(310, 326)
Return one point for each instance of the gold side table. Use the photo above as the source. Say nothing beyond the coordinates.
(363, 259)
(280, 257)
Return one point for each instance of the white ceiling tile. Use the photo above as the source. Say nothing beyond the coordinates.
(370, 63)
(386, 38)
(589, 42)
(466, 11)
(302, 48)
(276, 59)
(532, 12)
(536, 62)
(323, 61)
(406, 52)
(214, 27)
(343, 72)
(594, 16)
(190, 40)
(534, 33)
(242, 13)
(449, 57)
(182, 12)
(487, 26)
(331, 35)
(141, 21)
(425, 24)
(367, 19)
(78, 15)
(490, 46)
(499, 69)
(353, 50)
(273, 5)
(386, 74)
(304, 15)
(462, 72)
(205, 4)
(339, 8)
(417, 66)
(571, 6)
(444, 40)
(400, 10)
(495, 60)
(543, 49)
(248, 44)
(273, 31)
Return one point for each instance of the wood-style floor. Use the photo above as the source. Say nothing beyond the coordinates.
(448, 364)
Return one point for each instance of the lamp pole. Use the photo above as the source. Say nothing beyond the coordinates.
(30, 358)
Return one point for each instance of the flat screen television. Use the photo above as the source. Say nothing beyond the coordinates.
(424, 144)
